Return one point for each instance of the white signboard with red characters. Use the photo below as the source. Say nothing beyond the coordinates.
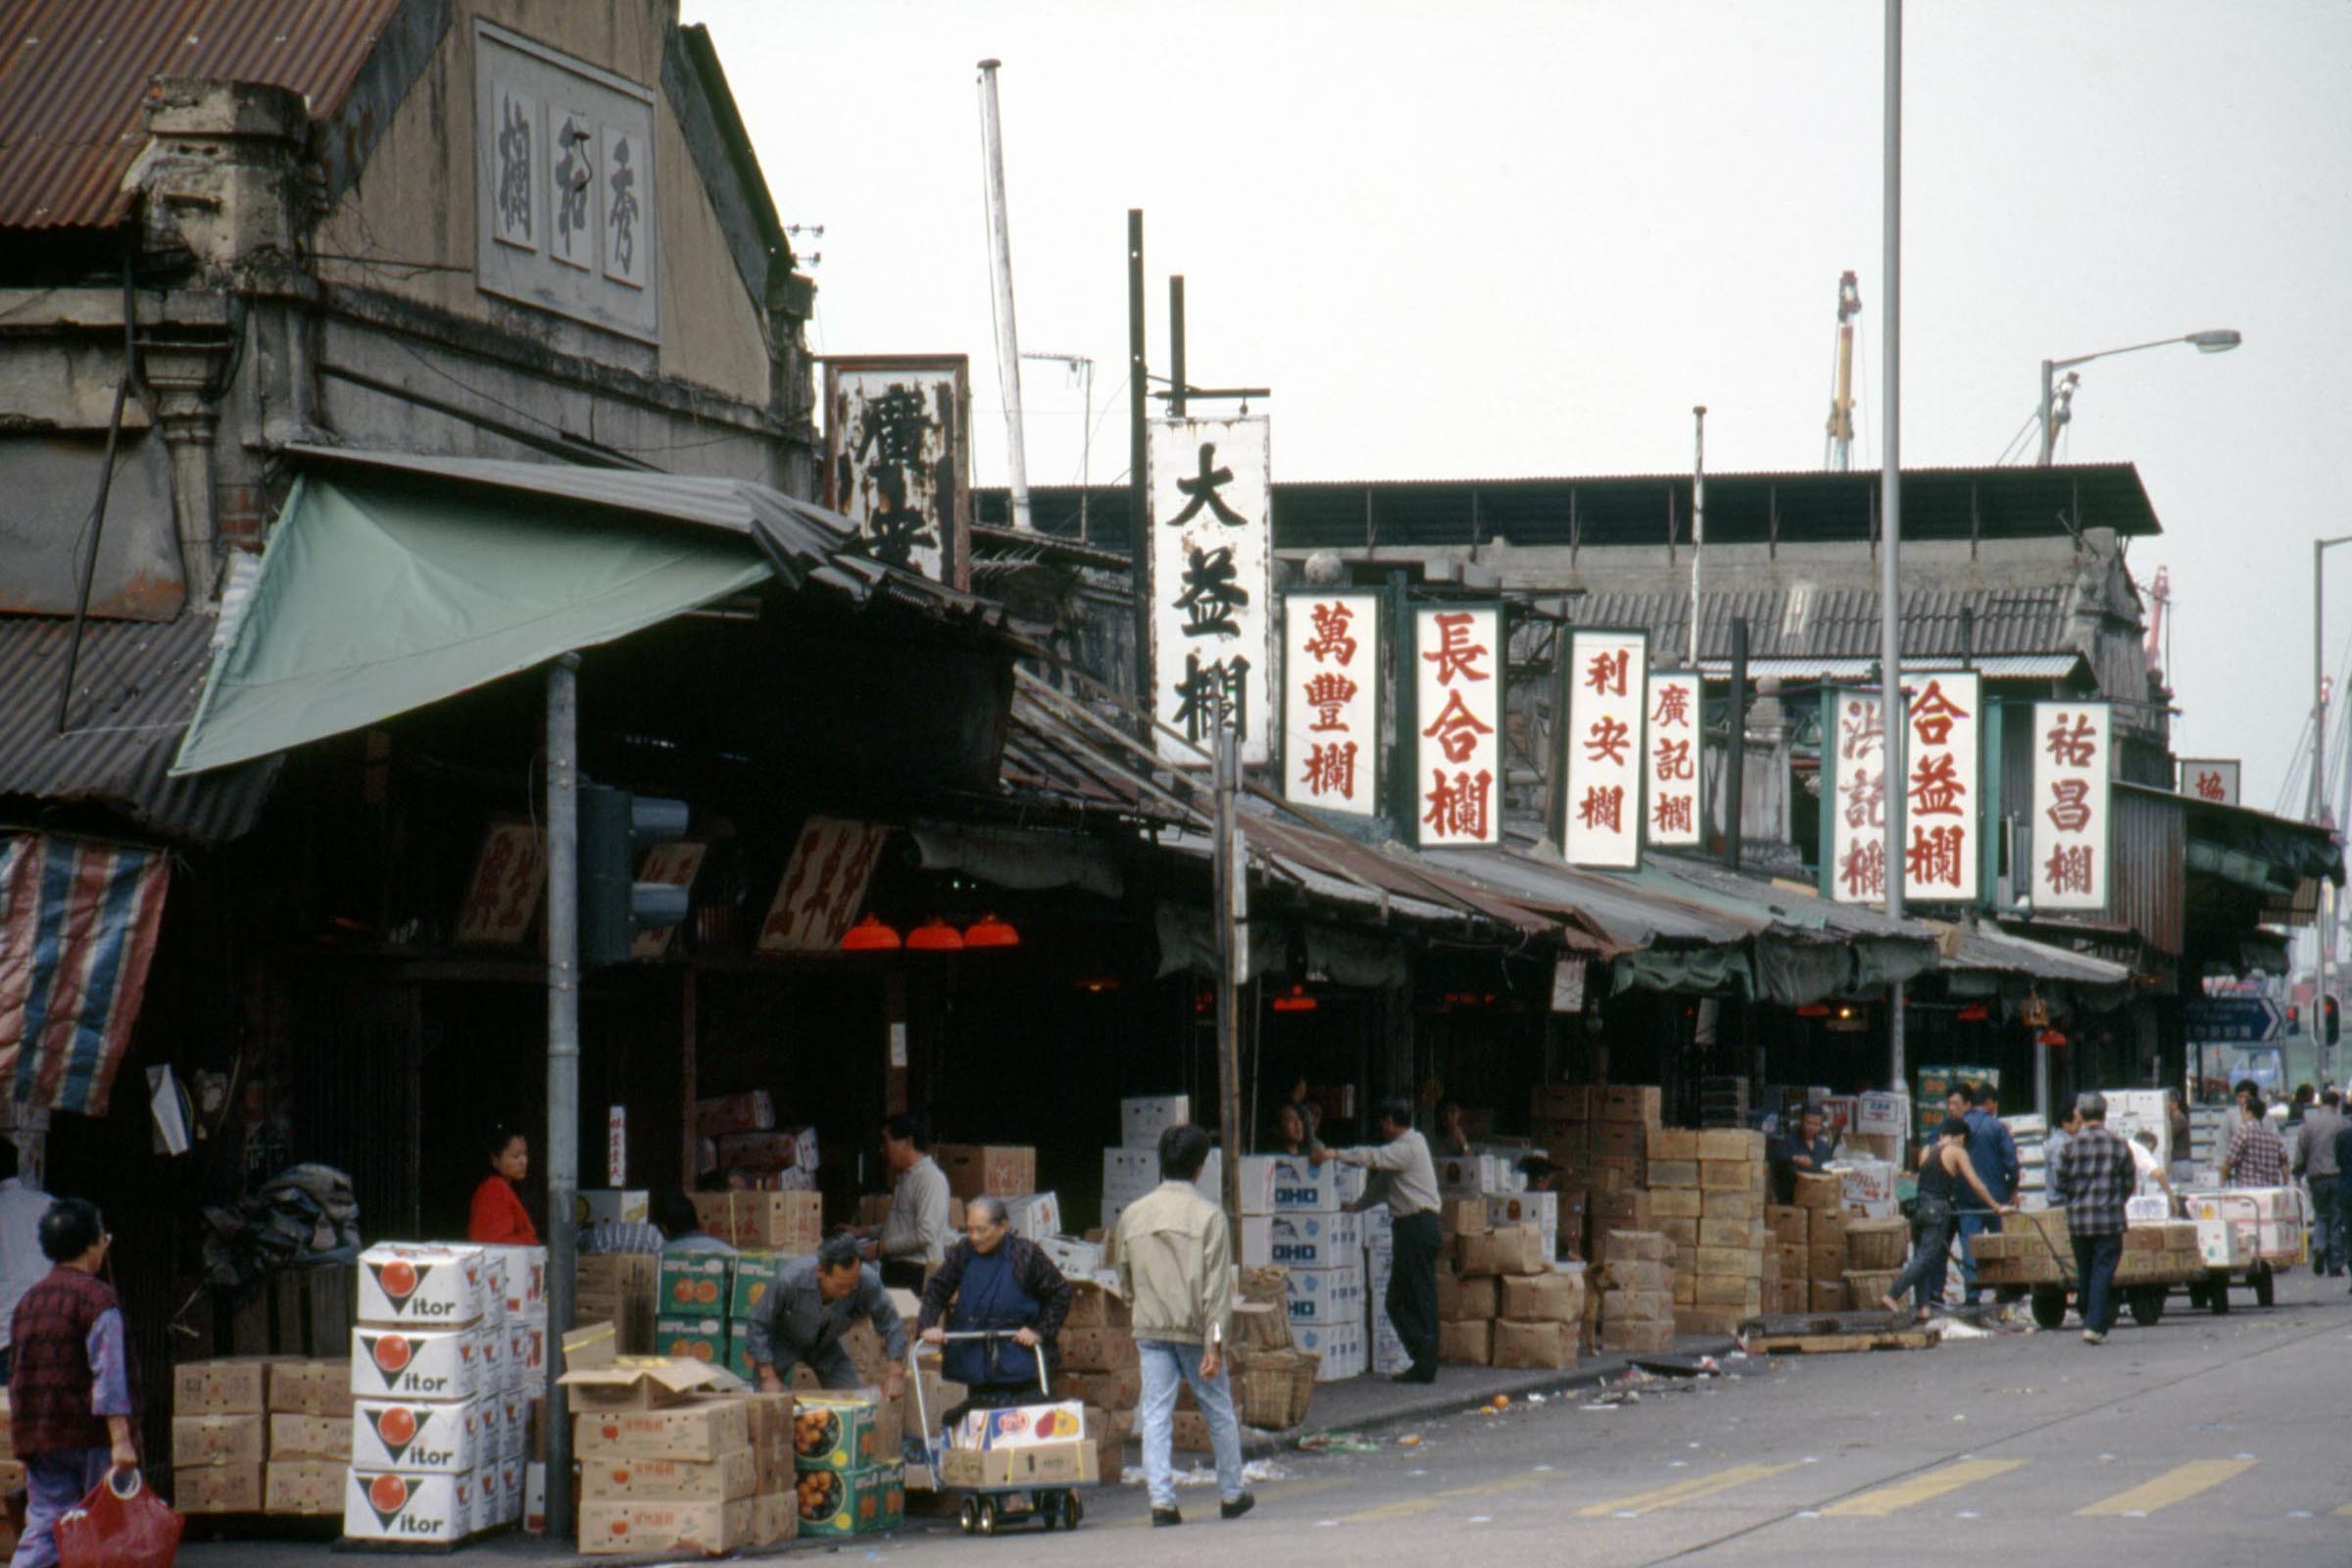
(1457, 662)
(1211, 521)
(823, 887)
(1606, 752)
(1676, 763)
(2072, 742)
(1943, 819)
(1331, 663)
(2210, 778)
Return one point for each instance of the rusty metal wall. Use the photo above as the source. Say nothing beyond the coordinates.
(2150, 869)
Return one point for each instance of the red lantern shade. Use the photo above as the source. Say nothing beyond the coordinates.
(869, 935)
(934, 936)
(989, 932)
(1295, 999)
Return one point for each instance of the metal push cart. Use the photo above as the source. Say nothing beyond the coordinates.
(2259, 1273)
(985, 1510)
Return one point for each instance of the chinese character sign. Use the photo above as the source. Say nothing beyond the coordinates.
(2210, 778)
(897, 460)
(1606, 756)
(1853, 774)
(1674, 767)
(1941, 785)
(2069, 805)
(823, 887)
(1331, 700)
(1457, 745)
(1212, 584)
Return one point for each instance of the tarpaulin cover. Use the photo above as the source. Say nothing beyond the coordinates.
(1705, 971)
(78, 926)
(379, 600)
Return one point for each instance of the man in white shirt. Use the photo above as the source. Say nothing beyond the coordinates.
(913, 1237)
(22, 1264)
(1407, 1180)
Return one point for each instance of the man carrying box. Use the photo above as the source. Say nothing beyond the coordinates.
(1175, 1254)
(813, 1303)
(1403, 1177)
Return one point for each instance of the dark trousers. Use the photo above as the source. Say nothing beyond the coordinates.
(1924, 1273)
(2328, 1238)
(1412, 1299)
(2095, 1258)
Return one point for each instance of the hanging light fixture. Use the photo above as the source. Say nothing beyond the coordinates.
(869, 935)
(934, 936)
(989, 932)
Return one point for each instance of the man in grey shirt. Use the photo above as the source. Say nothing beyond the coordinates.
(1406, 1179)
(914, 1237)
(2315, 1162)
(813, 1303)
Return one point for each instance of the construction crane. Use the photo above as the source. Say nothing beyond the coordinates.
(2160, 600)
(1838, 455)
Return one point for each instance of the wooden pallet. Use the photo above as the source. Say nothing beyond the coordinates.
(1831, 1333)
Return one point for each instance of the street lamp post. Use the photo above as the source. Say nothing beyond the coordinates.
(2220, 341)
(2315, 797)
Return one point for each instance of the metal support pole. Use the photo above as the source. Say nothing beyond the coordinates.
(1734, 755)
(1698, 519)
(1000, 260)
(1139, 481)
(2319, 679)
(1893, 706)
(2042, 1078)
(563, 1064)
(1176, 381)
(1232, 891)
(689, 1074)
(2050, 414)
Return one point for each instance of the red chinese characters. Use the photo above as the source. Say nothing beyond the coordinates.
(1331, 678)
(1458, 741)
(1607, 754)
(1674, 760)
(1943, 842)
(2070, 794)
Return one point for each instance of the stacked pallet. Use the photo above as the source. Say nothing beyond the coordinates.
(1710, 1189)
(1634, 1292)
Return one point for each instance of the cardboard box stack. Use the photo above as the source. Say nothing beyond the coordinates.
(1708, 1189)
(790, 1223)
(1290, 1219)
(624, 1290)
(440, 1413)
(1099, 1329)
(1130, 1167)
(1634, 1288)
(850, 1478)
(1598, 1134)
(669, 1464)
(1539, 1319)
(739, 1132)
(1822, 1199)
(219, 1435)
(1478, 1257)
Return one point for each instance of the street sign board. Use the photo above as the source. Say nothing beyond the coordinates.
(2239, 1020)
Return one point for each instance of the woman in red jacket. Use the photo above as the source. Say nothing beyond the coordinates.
(499, 1218)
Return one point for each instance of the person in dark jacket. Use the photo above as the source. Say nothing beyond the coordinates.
(994, 1280)
(70, 1410)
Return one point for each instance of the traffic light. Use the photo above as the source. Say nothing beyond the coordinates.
(2294, 1019)
(2329, 1019)
(615, 829)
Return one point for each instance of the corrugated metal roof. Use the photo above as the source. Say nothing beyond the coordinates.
(135, 688)
(75, 76)
(2001, 666)
(1989, 950)
(1630, 917)
(1844, 623)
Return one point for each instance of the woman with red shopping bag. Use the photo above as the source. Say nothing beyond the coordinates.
(69, 1405)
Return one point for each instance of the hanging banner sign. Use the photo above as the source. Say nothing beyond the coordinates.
(899, 459)
(2210, 778)
(824, 885)
(2070, 801)
(1457, 724)
(1676, 760)
(1331, 664)
(1940, 787)
(1606, 751)
(1213, 580)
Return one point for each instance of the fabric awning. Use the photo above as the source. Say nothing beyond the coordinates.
(378, 600)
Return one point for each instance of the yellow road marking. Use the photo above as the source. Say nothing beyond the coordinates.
(2176, 1485)
(1683, 1491)
(2345, 1512)
(1878, 1503)
(1410, 1506)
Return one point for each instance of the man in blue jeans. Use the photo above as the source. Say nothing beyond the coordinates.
(2093, 1180)
(1992, 1151)
(1175, 1260)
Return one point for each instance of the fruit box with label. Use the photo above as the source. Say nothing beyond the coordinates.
(1070, 1462)
(421, 1509)
(217, 1489)
(223, 1388)
(311, 1388)
(606, 1477)
(1326, 1295)
(1301, 1240)
(415, 1437)
(1016, 1426)
(636, 1526)
(836, 1432)
(404, 1285)
(694, 1284)
(702, 1430)
(303, 1488)
(1283, 1183)
(443, 1366)
(852, 1502)
(218, 1440)
(692, 1339)
(755, 1272)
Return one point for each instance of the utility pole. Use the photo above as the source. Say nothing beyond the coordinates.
(1139, 483)
(1176, 345)
(1698, 519)
(563, 1064)
(1230, 877)
(1894, 715)
(999, 257)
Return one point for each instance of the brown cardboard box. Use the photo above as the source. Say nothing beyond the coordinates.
(1686, 1290)
(1718, 1291)
(1828, 1295)
(1466, 1343)
(1669, 1174)
(776, 1516)
(1787, 1223)
(1723, 1176)
(1122, 1389)
(1673, 1142)
(1632, 1274)
(1714, 1232)
(309, 1489)
(1647, 1246)
(1676, 1203)
(1819, 1192)
(620, 1289)
(1462, 1216)
(1682, 1233)
(1728, 1263)
(220, 1439)
(644, 1526)
(1705, 1319)
(294, 1436)
(1622, 1210)
(1187, 1432)
(1556, 1296)
(1615, 1141)
(1725, 1204)
(1534, 1344)
(792, 1224)
(1560, 1102)
(224, 1388)
(703, 1429)
(610, 1477)
(1788, 1262)
(1002, 1170)
(1462, 1301)
(1636, 1102)
(311, 1388)
(1508, 1250)
(1637, 1307)
(221, 1488)
(1732, 1142)
(1098, 1349)
(1093, 1307)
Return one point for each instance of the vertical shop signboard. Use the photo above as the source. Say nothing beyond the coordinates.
(1605, 749)
(1331, 674)
(1456, 739)
(1943, 803)
(2210, 778)
(2071, 799)
(1212, 522)
(1676, 763)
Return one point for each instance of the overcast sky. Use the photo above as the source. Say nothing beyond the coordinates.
(1482, 239)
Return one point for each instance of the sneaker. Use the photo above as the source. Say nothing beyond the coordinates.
(2093, 1337)
(1238, 1506)
(1161, 1518)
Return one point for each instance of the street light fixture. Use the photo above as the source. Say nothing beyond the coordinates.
(2217, 341)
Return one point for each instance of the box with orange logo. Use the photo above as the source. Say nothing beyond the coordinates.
(414, 1437)
(611, 1477)
(636, 1526)
(408, 1285)
(414, 1509)
(436, 1364)
(695, 1285)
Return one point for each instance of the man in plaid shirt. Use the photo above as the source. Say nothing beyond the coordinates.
(2093, 1177)
(2256, 1157)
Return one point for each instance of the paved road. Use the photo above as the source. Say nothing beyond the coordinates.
(2201, 1441)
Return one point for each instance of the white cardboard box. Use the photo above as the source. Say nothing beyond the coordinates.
(1302, 1240)
(1541, 1210)
(425, 1509)
(415, 1437)
(1340, 1345)
(1034, 1216)
(1882, 1114)
(424, 1286)
(1143, 1117)
(1282, 1183)
(436, 1365)
(1327, 1296)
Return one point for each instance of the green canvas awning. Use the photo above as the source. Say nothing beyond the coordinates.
(376, 599)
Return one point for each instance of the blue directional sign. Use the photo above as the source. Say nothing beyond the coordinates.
(2234, 1020)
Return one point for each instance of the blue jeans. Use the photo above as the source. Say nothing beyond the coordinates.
(1974, 1222)
(1164, 1362)
(2095, 1258)
(2328, 1238)
(55, 1484)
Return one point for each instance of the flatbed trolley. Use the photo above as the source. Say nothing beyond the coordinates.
(986, 1510)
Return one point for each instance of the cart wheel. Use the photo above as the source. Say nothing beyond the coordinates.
(2049, 1306)
(988, 1516)
(2265, 1279)
(2216, 1293)
(2147, 1305)
(1072, 1510)
(967, 1517)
